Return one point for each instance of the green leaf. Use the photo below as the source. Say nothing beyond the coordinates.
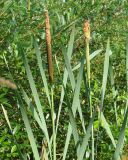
(32, 108)
(105, 73)
(65, 76)
(92, 55)
(13, 149)
(35, 94)
(73, 124)
(75, 104)
(28, 127)
(107, 128)
(96, 124)
(38, 55)
(86, 138)
(114, 92)
(120, 142)
(69, 69)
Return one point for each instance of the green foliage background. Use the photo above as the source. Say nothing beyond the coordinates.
(18, 25)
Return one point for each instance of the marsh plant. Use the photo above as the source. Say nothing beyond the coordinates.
(68, 112)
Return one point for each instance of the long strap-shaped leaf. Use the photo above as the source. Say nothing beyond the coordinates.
(107, 128)
(103, 89)
(69, 53)
(95, 53)
(73, 83)
(122, 132)
(121, 138)
(113, 88)
(69, 69)
(127, 68)
(28, 127)
(35, 115)
(86, 138)
(25, 119)
(32, 108)
(74, 106)
(73, 124)
(35, 95)
(92, 55)
(38, 55)
(105, 73)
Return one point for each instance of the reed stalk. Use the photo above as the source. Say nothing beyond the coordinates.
(53, 123)
(86, 30)
(28, 5)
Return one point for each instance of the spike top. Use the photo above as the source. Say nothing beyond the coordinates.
(86, 30)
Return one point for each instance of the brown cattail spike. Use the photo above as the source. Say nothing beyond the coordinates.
(48, 43)
(7, 83)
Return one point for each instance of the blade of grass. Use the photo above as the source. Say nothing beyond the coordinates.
(92, 55)
(28, 127)
(105, 73)
(107, 128)
(73, 83)
(25, 118)
(86, 137)
(35, 115)
(35, 94)
(73, 124)
(120, 142)
(74, 106)
(32, 108)
(38, 55)
(104, 83)
(6, 117)
(69, 53)
(69, 69)
(72, 120)
(127, 70)
(95, 53)
(113, 89)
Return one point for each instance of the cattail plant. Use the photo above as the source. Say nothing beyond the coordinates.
(50, 70)
(86, 30)
(48, 44)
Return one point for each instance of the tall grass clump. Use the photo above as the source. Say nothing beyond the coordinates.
(80, 132)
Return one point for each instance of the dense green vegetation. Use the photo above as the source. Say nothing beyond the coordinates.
(73, 117)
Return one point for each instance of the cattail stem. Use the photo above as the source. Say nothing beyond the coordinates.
(48, 43)
(88, 62)
(87, 39)
(53, 123)
(28, 5)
